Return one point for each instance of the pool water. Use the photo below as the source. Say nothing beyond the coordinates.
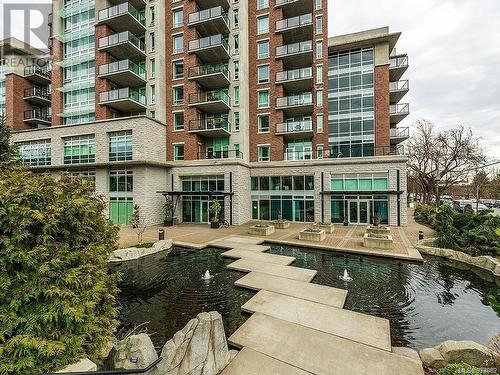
(425, 303)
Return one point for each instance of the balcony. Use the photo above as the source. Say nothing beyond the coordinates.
(210, 128)
(215, 101)
(210, 76)
(399, 135)
(296, 28)
(210, 21)
(222, 154)
(296, 55)
(124, 73)
(295, 104)
(124, 100)
(37, 96)
(211, 48)
(39, 75)
(296, 79)
(397, 66)
(294, 7)
(123, 17)
(123, 46)
(36, 116)
(398, 112)
(397, 90)
(295, 129)
(207, 4)
(138, 4)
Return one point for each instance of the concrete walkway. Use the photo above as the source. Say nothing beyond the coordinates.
(301, 328)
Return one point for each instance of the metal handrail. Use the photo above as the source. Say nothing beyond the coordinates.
(289, 49)
(111, 372)
(209, 41)
(399, 85)
(37, 91)
(36, 69)
(294, 126)
(221, 154)
(400, 132)
(120, 94)
(398, 61)
(201, 70)
(293, 100)
(397, 109)
(121, 66)
(209, 124)
(37, 114)
(207, 14)
(287, 23)
(289, 75)
(209, 96)
(124, 36)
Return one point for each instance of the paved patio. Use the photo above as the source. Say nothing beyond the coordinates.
(344, 238)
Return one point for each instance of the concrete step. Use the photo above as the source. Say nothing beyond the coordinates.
(318, 352)
(362, 328)
(250, 362)
(299, 289)
(289, 272)
(238, 245)
(261, 257)
(245, 240)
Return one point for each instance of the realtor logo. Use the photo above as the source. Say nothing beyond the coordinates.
(27, 21)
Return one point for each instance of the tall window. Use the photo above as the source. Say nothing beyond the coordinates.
(263, 99)
(263, 74)
(263, 49)
(36, 153)
(120, 146)
(262, 25)
(261, 4)
(179, 121)
(236, 41)
(178, 95)
(236, 98)
(263, 123)
(319, 50)
(236, 65)
(121, 202)
(153, 68)
(178, 151)
(236, 19)
(319, 25)
(177, 17)
(264, 152)
(236, 121)
(80, 149)
(178, 43)
(178, 68)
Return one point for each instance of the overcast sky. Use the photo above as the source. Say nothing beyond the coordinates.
(453, 48)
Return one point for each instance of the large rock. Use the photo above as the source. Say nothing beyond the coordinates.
(432, 357)
(466, 351)
(83, 365)
(200, 348)
(135, 352)
(132, 253)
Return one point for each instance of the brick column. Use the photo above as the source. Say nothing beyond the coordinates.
(15, 105)
(382, 120)
(57, 83)
(102, 112)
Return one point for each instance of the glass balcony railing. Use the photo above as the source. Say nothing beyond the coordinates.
(399, 109)
(399, 85)
(398, 62)
(290, 49)
(203, 70)
(209, 96)
(288, 23)
(402, 132)
(209, 124)
(38, 92)
(208, 14)
(295, 100)
(116, 39)
(121, 9)
(125, 93)
(208, 42)
(221, 154)
(294, 74)
(294, 127)
(123, 66)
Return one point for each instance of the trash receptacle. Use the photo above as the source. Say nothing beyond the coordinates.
(161, 234)
(420, 235)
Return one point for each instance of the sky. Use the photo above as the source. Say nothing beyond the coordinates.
(453, 49)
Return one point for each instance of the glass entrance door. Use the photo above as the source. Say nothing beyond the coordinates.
(353, 212)
(359, 212)
(364, 210)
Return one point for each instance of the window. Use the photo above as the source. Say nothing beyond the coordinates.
(236, 70)
(261, 4)
(36, 153)
(263, 123)
(319, 98)
(262, 25)
(236, 40)
(121, 181)
(178, 69)
(237, 149)
(177, 18)
(263, 49)
(153, 94)
(153, 68)
(319, 151)
(319, 25)
(319, 4)
(264, 153)
(120, 146)
(236, 121)
(319, 73)
(179, 151)
(263, 99)
(152, 14)
(178, 95)
(178, 121)
(263, 74)
(177, 42)
(319, 50)
(152, 41)
(152, 114)
(85, 175)
(121, 202)
(236, 18)
(319, 123)
(236, 95)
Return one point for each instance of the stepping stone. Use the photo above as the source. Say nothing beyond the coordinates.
(245, 240)
(307, 291)
(289, 272)
(261, 257)
(318, 352)
(362, 328)
(238, 245)
(250, 362)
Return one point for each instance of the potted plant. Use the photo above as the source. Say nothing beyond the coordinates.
(280, 223)
(168, 207)
(214, 211)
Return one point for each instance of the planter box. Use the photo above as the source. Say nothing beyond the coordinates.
(377, 241)
(281, 224)
(327, 227)
(378, 230)
(312, 236)
(170, 223)
(262, 231)
(215, 224)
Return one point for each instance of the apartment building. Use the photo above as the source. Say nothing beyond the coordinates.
(241, 102)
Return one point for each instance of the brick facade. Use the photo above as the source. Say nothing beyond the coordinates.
(102, 112)
(14, 100)
(57, 81)
(382, 117)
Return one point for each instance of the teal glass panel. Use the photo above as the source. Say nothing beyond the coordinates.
(337, 211)
(286, 211)
(380, 183)
(337, 184)
(351, 184)
(365, 184)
